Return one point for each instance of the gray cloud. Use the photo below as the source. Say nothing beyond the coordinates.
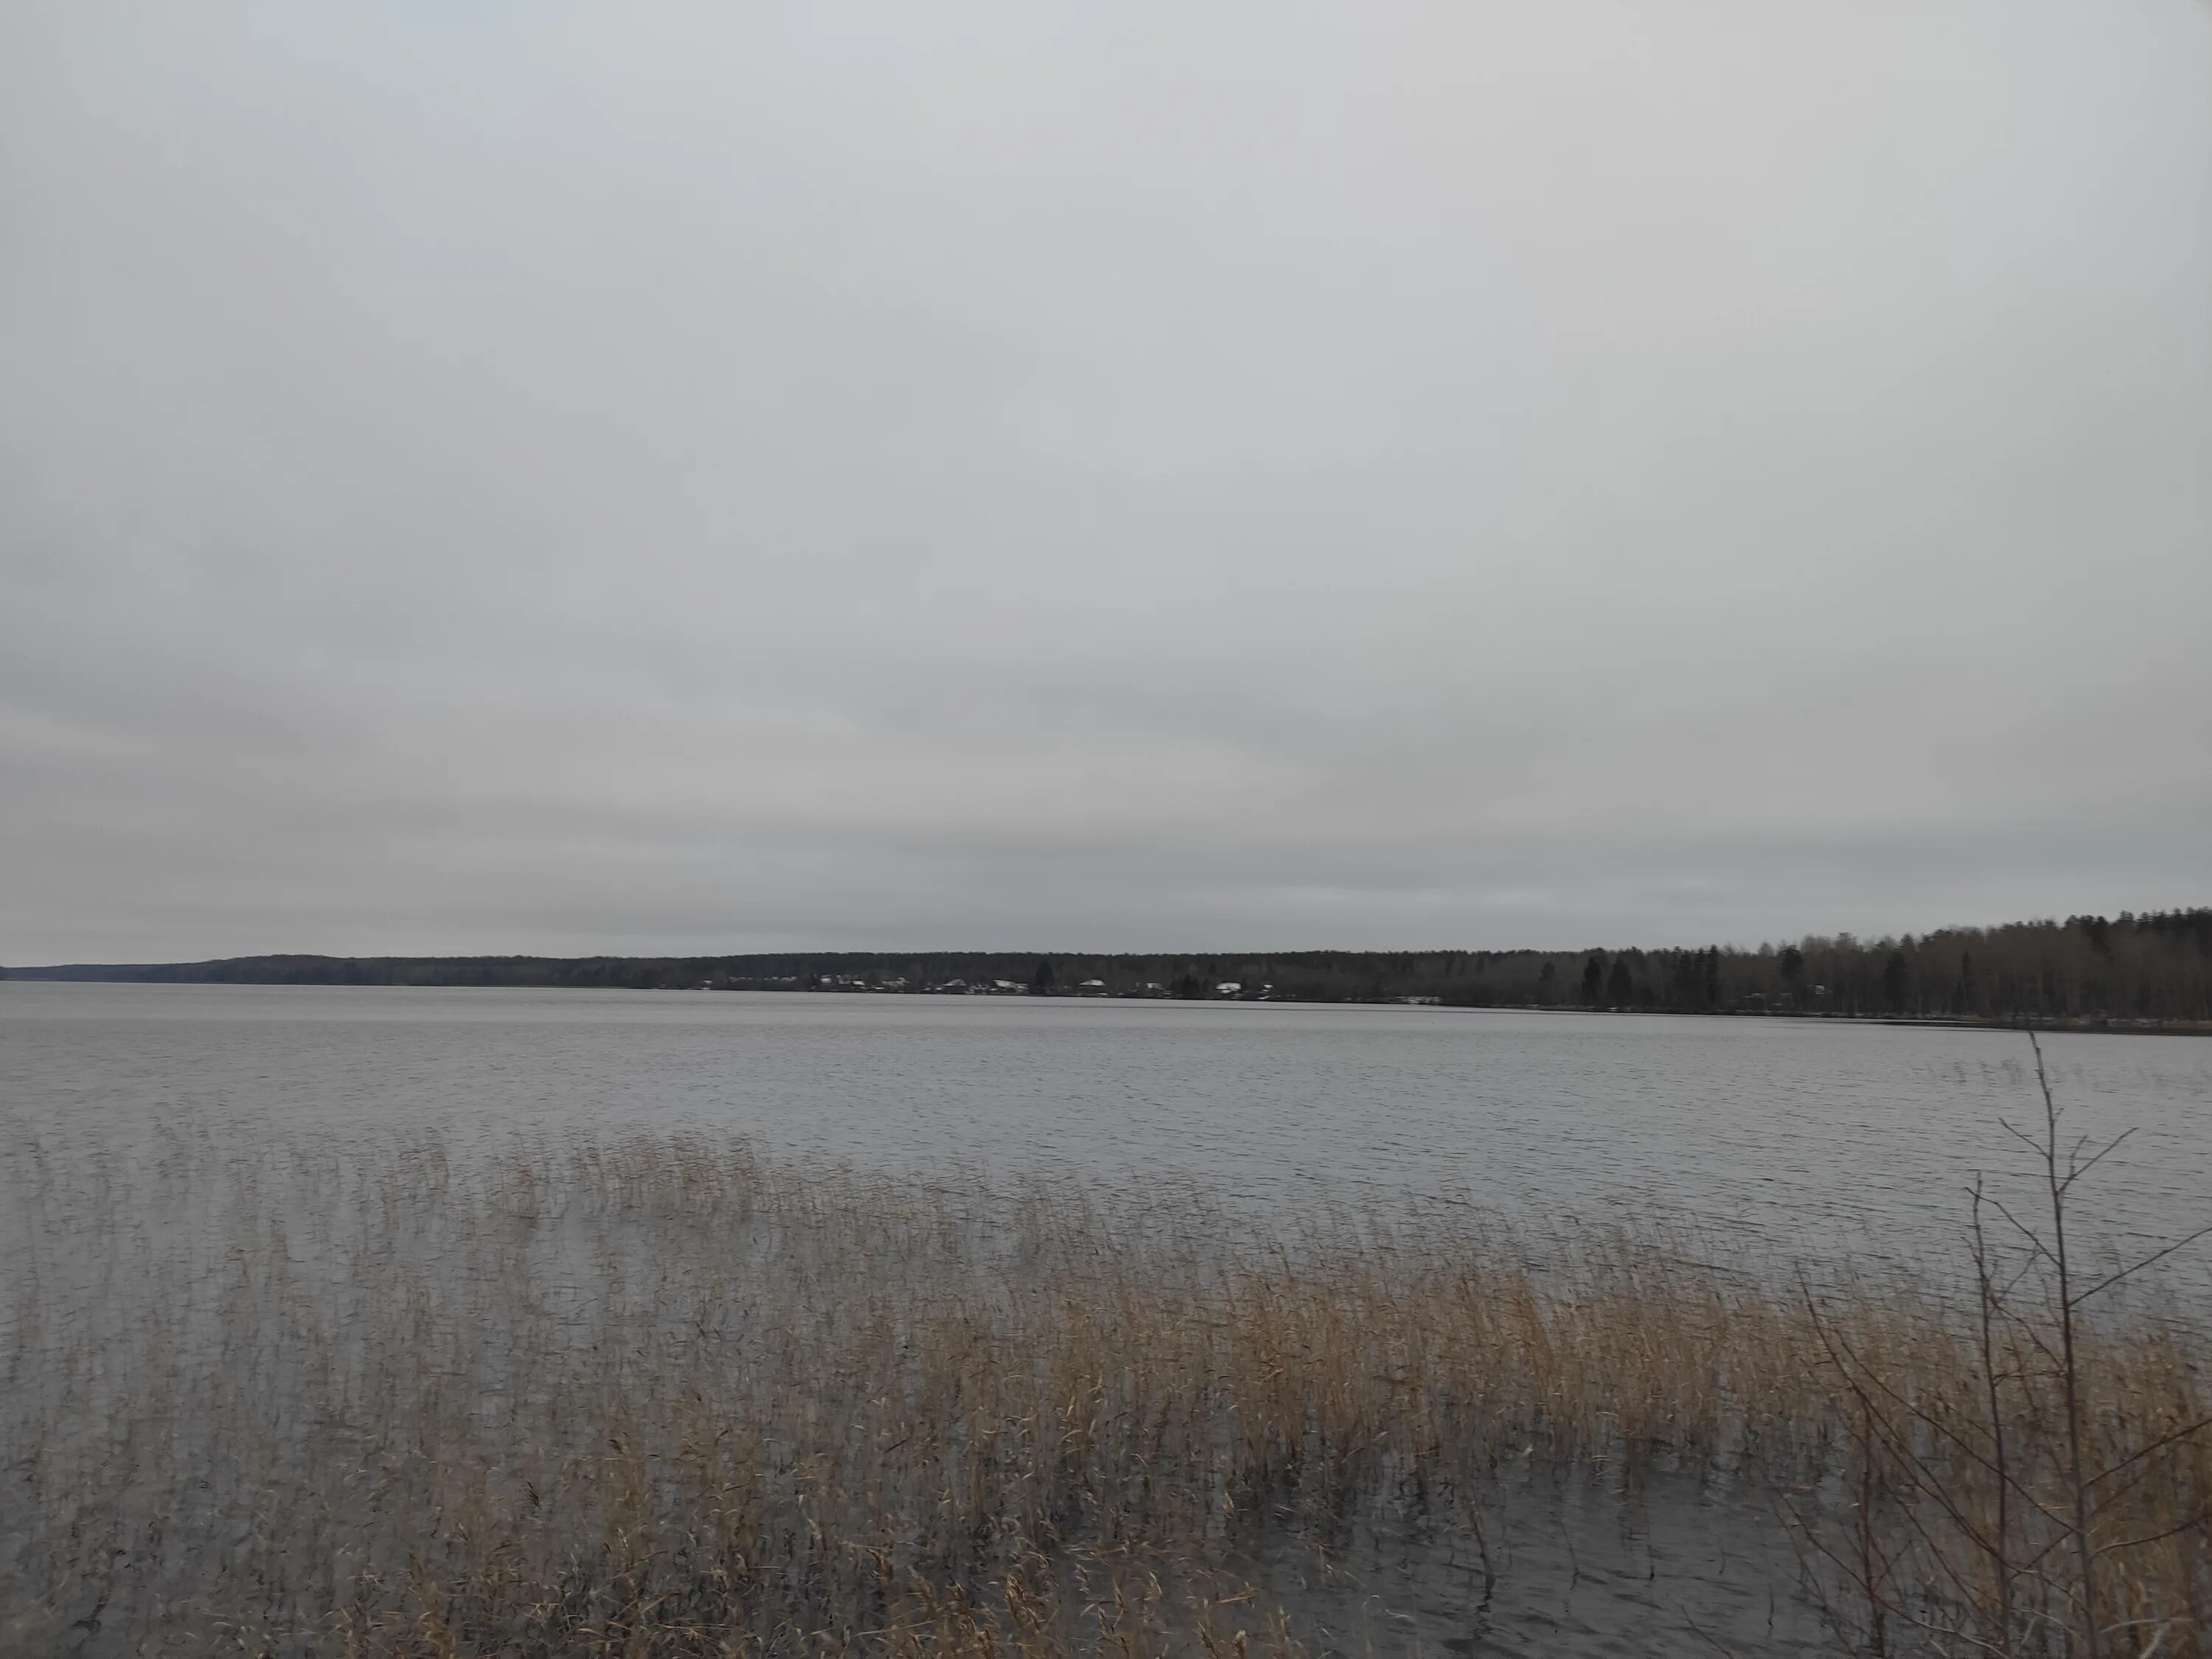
(567, 478)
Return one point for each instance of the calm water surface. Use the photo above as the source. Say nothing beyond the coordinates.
(1794, 1138)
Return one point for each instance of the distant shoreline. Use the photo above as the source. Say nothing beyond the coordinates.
(651, 974)
(2138, 971)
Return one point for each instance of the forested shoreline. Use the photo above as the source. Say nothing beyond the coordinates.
(2154, 967)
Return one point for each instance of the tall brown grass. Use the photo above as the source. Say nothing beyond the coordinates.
(656, 1398)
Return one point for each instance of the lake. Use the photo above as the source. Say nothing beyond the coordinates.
(1791, 1138)
(226, 1217)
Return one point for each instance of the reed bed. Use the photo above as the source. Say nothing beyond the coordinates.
(652, 1397)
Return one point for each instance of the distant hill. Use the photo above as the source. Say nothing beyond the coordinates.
(2152, 969)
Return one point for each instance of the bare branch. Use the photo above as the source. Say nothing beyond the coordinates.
(2155, 1255)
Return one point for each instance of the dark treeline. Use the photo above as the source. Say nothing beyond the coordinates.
(2155, 968)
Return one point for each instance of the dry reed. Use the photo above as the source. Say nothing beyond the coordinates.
(654, 1398)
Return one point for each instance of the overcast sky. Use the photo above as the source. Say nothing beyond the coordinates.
(1013, 473)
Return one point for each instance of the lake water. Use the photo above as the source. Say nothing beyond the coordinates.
(1793, 1138)
(145, 1240)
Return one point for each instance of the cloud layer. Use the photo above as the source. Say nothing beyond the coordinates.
(581, 478)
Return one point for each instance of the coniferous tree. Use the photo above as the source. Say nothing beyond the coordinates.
(1593, 979)
(1790, 963)
(1620, 988)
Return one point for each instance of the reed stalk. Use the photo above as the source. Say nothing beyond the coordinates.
(652, 1396)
